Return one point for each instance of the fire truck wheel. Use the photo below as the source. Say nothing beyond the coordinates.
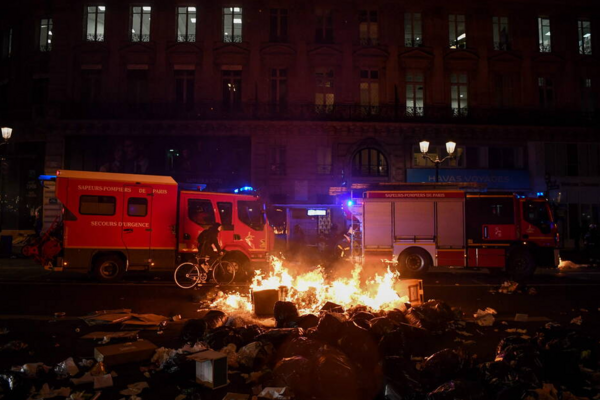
(414, 262)
(109, 268)
(521, 263)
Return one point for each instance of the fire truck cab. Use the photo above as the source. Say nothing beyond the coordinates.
(424, 229)
(113, 223)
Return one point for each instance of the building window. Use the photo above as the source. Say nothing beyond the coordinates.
(232, 24)
(369, 91)
(94, 31)
(368, 28)
(324, 30)
(232, 89)
(505, 158)
(140, 23)
(137, 86)
(278, 160)
(504, 90)
(459, 95)
(324, 165)
(584, 29)
(91, 86)
(46, 34)
(369, 162)
(546, 92)
(324, 96)
(7, 43)
(40, 95)
(457, 31)
(278, 28)
(278, 89)
(413, 34)
(186, 24)
(415, 93)
(544, 35)
(501, 39)
(588, 100)
(184, 87)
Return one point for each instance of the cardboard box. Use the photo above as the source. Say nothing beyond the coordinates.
(413, 288)
(211, 368)
(124, 353)
(263, 301)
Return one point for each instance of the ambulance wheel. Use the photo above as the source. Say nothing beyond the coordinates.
(521, 264)
(109, 268)
(414, 261)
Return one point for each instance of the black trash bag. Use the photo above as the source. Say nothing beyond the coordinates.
(177, 364)
(280, 336)
(332, 307)
(15, 385)
(393, 344)
(359, 345)
(294, 373)
(362, 315)
(249, 333)
(437, 310)
(300, 346)
(352, 311)
(397, 316)
(307, 321)
(334, 376)
(286, 314)
(382, 325)
(507, 342)
(215, 319)
(458, 390)
(363, 323)
(255, 355)
(501, 381)
(442, 366)
(416, 316)
(402, 379)
(193, 331)
(221, 337)
(330, 327)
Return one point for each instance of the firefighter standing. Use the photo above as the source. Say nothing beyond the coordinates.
(208, 242)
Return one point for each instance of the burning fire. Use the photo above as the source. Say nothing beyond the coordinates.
(311, 290)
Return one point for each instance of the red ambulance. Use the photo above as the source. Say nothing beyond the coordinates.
(114, 223)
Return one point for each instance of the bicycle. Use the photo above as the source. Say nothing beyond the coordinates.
(189, 274)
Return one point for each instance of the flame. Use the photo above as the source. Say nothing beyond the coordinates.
(311, 290)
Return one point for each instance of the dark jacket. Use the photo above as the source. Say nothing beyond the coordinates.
(206, 239)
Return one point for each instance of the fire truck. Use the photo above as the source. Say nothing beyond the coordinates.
(114, 223)
(420, 229)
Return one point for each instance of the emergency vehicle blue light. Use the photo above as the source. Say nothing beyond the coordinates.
(350, 203)
(540, 194)
(244, 189)
(46, 177)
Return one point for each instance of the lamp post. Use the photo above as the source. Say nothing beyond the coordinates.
(424, 147)
(6, 134)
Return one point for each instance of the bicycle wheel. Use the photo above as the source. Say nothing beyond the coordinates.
(187, 275)
(224, 272)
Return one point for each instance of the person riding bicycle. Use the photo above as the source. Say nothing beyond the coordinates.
(208, 242)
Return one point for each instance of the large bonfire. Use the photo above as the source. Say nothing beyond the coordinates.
(310, 290)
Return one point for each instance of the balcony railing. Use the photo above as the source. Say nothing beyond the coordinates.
(91, 37)
(232, 38)
(190, 37)
(369, 41)
(410, 42)
(502, 46)
(136, 37)
(336, 112)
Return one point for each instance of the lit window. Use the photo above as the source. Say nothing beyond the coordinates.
(95, 16)
(46, 34)
(324, 95)
(413, 35)
(369, 91)
(232, 24)
(369, 162)
(457, 31)
(584, 29)
(140, 24)
(186, 24)
(232, 89)
(501, 39)
(459, 93)
(415, 88)
(368, 27)
(544, 39)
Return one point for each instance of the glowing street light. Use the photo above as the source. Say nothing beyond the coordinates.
(450, 148)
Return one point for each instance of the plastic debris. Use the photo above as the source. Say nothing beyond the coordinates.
(485, 317)
(521, 317)
(86, 378)
(276, 393)
(515, 330)
(103, 381)
(66, 368)
(508, 287)
(135, 388)
(162, 356)
(98, 369)
(577, 320)
(4, 331)
(232, 357)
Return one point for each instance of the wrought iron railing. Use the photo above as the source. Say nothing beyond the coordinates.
(413, 42)
(369, 41)
(91, 37)
(545, 48)
(232, 38)
(190, 37)
(502, 46)
(136, 37)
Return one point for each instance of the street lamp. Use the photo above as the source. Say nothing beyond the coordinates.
(6, 134)
(424, 147)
